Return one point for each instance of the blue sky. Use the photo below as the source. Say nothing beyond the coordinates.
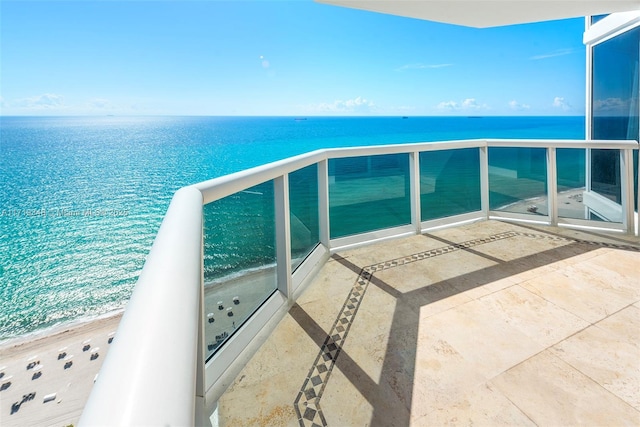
(277, 58)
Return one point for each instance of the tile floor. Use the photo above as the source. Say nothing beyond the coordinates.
(485, 324)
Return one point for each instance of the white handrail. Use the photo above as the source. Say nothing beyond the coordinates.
(217, 188)
(223, 186)
(149, 376)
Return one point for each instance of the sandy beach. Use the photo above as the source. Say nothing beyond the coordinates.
(570, 205)
(46, 378)
(251, 289)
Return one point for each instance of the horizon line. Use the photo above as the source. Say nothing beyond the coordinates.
(293, 115)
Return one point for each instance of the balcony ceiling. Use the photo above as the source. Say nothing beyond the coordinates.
(490, 13)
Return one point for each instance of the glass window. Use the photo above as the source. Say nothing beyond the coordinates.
(615, 107)
(596, 18)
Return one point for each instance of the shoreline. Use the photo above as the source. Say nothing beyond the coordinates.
(56, 330)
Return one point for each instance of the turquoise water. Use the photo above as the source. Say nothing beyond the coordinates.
(82, 198)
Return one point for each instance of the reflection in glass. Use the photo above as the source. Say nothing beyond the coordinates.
(303, 205)
(518, 180)
(239, 260)
(596, 18)
(571, 183)
(368, 193)
(449, 183)
(615, 107)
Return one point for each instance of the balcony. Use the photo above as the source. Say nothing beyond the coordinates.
(490, 323)
(275, 254)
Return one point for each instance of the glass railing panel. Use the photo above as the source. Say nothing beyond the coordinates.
(239, 260)
(303, 207)
(449, 183)
(368, 193)
(518, 180)
(571, 182)
(603, 200)
(605, 174)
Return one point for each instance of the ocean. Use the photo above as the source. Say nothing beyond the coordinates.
(82, 197)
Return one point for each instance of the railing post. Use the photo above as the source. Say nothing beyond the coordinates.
(552, 186)
(283, 234)
(626, 190)
(414, 188)
(323, 202)
(484, 180)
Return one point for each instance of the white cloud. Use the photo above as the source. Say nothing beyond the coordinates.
(100, 104)
(559, 102)
(470, 103)
(47, 101)
(559, 52)
(466, 104)
(358, 104)
(448, 105)
(422, 66)
(612, 106)
(515, 105)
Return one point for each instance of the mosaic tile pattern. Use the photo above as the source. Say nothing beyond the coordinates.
(307, 402)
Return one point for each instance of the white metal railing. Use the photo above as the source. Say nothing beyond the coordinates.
(155, 372)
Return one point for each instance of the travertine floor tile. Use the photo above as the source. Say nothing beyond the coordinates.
(324, 300)
(351, 400)
(520, 247)
(373, 326)
(552, 393)
(482, 289)
(584, 295)
(532, 315)
(619, 268)
(482, 405)
(422, 288)
(261, 376)
(333, 281)
(482, 338)
(435, 299)
(391, 249)
(441, 372)
(609, 353)
(582, 253)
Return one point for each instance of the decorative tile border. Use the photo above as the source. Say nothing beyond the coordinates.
(307, 403)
